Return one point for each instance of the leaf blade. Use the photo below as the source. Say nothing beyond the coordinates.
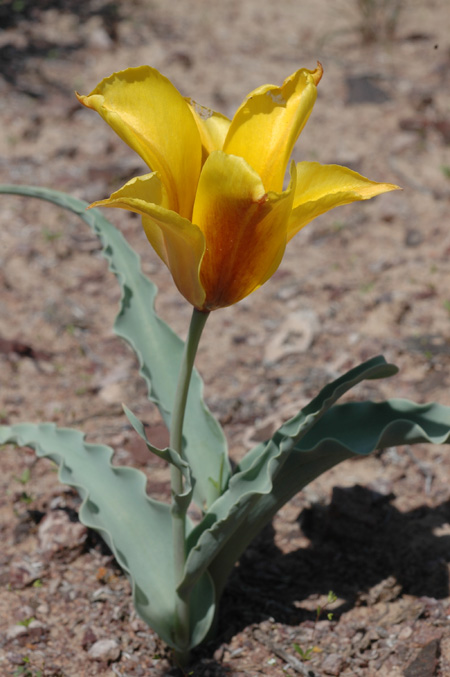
(158, 348)
(137, 528)
(380, 425)
(274, 472)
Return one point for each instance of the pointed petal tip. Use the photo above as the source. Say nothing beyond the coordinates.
(380, 188)
(84, 99)
(317, 73)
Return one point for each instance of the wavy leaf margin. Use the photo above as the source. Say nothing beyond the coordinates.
(158, 348)
(231, 521)
(137, 528)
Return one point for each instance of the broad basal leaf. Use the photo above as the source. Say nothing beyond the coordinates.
(237, 516)
(158, 348)
(346, 430)
(138, 529)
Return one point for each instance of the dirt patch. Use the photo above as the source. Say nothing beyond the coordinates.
(366, 279)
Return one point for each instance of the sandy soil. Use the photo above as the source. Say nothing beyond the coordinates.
(366, 279)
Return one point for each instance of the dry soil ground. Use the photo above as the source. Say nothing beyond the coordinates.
(366, 279)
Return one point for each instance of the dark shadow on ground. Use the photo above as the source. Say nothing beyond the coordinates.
(13, 12)
(357, 541)
(19, 63)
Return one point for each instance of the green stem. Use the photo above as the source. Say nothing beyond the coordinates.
(198, 321)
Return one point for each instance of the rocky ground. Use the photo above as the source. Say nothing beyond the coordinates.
(366, 279)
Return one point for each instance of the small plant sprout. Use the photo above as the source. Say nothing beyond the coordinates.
(305, 654)
(217, 211)
(24, 478)
(331, 599)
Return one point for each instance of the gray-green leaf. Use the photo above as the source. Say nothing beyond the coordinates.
(137, 528)
(157, 347)
(320, 436)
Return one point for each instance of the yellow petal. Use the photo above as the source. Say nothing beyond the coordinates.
(244, 229)
(212, 127)
(323, 187)
(267, 125)
(151, 116)
(176, 240)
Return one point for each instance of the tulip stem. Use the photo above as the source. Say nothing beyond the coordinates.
(196, 326)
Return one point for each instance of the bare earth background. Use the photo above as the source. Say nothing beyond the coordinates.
(366, 279)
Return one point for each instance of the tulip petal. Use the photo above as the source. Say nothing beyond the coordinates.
(213, 127)
(244, 229)
(323, 187)
(267, 125)
(151, 116)
(178, 242)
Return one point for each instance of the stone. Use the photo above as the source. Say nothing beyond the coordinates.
(105, 650)
(295, 336)
(59, 536)
(424, 665)
(332, 665)
(22, 572)
(15, 631)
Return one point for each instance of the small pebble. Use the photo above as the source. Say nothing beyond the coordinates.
(106, 650)
(405, 633)
(332, 665)
(15, 631)
(37, 630)
(58, 534)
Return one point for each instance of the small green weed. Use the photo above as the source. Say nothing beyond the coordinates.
(306, 654)
(24, 477)
(367, 287)
(50, 235)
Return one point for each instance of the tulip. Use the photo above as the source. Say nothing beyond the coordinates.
(214, 206)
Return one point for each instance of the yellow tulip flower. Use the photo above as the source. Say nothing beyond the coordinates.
(213, 206)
